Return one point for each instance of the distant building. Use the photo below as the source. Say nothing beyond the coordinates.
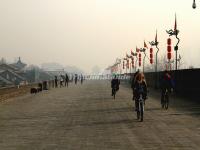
(11, 74)
(4, 82)
(4, 66)
(19, 65)
(18, 73)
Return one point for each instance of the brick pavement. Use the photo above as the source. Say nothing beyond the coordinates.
(87, 118)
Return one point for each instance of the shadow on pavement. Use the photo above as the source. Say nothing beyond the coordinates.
(114, 110)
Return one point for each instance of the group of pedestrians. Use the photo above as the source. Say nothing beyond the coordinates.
(63, 80)
(79, 78)
(139, 85)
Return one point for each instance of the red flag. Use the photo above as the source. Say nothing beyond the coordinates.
(132, 52)
(127, 55)
(156, 40)
(175, 25)
(145, 45)
(137, 49)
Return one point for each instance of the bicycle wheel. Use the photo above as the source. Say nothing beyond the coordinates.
(163, 104)
(163, 101)
(141, 111)
(166, 101)
(114, 93)
(138, 114)
(137, 108)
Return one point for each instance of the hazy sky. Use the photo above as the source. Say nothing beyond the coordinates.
(86, 33)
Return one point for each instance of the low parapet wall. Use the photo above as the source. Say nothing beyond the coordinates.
(9, 92)
(187, 82)
(15, 91)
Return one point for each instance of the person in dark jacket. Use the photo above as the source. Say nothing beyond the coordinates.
(66, 80)
(76, 78)
(115, 84)
(61, 80)
(56, 81)
(133, 83)
(140, 87)
(81, 79)
(166, 83)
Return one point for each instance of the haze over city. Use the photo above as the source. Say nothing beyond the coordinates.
(93, 32)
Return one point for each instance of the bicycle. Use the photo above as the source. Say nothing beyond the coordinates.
(140, 108)
(114, 90)
(165, 103)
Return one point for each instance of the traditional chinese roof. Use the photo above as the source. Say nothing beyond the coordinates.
(12, 72)
(19, 64)
(5, 81)
(8, 67)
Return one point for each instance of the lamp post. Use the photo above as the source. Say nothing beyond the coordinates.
(175, 33)
(118, 62)
(179, 61)
(128, 63)
(135, 55)
(121, 66)
(143, 50)
(155, 43)
(125, 59)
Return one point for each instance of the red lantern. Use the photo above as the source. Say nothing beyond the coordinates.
(169, 55)
(140, 59)
(151, 50)
(169, 41)
(151, 55)
(169, 48)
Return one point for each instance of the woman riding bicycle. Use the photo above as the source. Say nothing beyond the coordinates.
(140, 88)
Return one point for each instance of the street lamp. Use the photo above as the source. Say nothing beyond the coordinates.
(179, 60)
(143, 50)
(175, 33)
(118, 62)
(125, 65)
(194, 4)
(128, 64)
(135, 54)
(155, 43)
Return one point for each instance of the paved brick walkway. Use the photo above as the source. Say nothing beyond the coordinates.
(87, 118)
